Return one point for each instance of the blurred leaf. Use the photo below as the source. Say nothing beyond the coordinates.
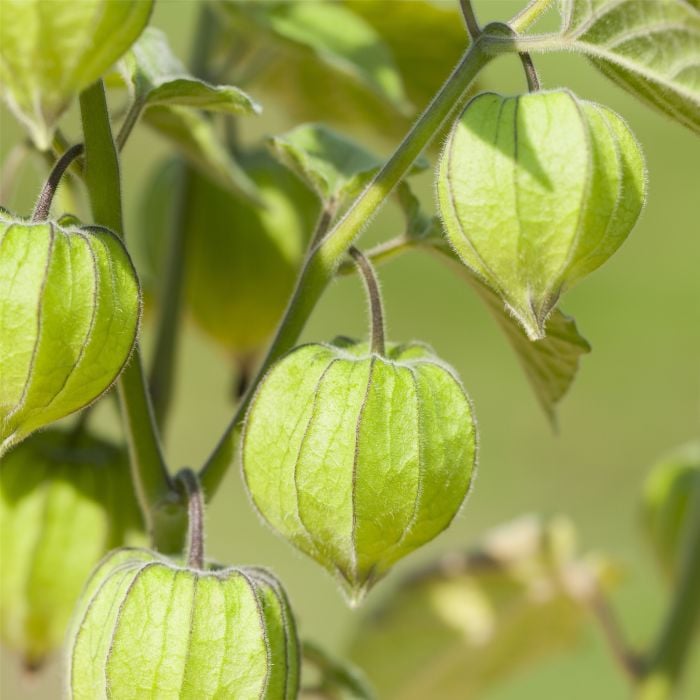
(195, 137)
(51, 51)
(668, 492)
(550, 364)
(334, 165)
(157, 77)
(649, 47)
(320, 59)
(427, 39)
(338, 680)
(455, 629)
(328, 33)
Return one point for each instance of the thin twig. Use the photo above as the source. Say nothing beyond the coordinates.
(43, 205)
(189, 482)
(628, 660)
(374, 294)
(470, 19)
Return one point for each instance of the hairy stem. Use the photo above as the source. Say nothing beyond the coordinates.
(43, 205)
(665, 664)
(470, 19)
(159, 502)
(374, 294)
(529, 15)
(329, 251)
(189, 483)
(164, 360)
(323, 260)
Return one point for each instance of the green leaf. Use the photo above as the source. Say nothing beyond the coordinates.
(668, 492)
(467, 622)
(550, 363)
(195, 137)
(157, 77)
(51, 51)
(66, 499)
(321, 60)
(649, 47)
(338, 680)
(70, 310)
(335, 166)
(331, 34)
(426, 38)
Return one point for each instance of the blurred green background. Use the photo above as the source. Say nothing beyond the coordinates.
(637, 395)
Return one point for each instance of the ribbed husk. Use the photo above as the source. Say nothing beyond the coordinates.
(65, 501)
(359, 459)
(147, 627)
(69, 308)
(537, 191)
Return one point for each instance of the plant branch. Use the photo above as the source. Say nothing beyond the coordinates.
(152, 483)
(325, 257)
(130, 120)
(164, 360)
(529, 15)
(327, 254)
(470, 19)
(374, 294)
(629, 662)
(189, 483)
(43, 205)
(664, 666)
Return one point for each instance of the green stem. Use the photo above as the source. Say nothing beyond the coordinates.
(159, 501)
(374, 295)
(325, 257)
(164, 361)
(132, 116)
(529, 15)
(470, 19)
(664, 667)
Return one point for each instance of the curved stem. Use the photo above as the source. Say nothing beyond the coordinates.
(329, 251)
(664, 667)
(324, 258)
(533, 80)
(132, 116)
(189, 482)
(374, 294)
(159, 502)
(43, 205)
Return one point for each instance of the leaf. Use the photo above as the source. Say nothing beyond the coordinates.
(157, 77)
(334, 165)
(550, 364)
(472, 620)
(51, 51)
(649, 47)
(194, 136)
(669, 491)
(321, 60)
(427, 39)
(339, 680)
